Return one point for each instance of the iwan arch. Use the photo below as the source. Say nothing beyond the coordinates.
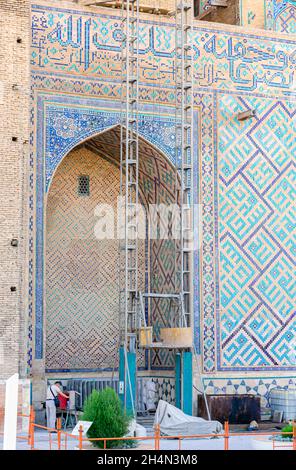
(82, 271)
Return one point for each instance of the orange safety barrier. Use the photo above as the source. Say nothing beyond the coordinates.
(22, 415)
(63, 436)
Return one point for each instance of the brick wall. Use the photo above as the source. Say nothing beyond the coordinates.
(14, 145)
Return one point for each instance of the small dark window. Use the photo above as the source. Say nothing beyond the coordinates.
(83, 185)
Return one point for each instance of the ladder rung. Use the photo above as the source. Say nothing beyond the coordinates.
(129, 141)
(130, 80)
(123, 291)
(184, 7)
(128, 247)
(129, 269)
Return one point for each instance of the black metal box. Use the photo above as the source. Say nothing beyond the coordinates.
(236, 409)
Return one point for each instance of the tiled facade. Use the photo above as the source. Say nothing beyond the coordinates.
(244, 290)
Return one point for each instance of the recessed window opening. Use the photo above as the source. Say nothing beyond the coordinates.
(83, 185)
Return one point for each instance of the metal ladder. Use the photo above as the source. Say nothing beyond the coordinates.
(129, 170)
(184, 137)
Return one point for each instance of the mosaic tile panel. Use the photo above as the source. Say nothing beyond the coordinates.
(281, 15)
(257, 243)
(248, 385)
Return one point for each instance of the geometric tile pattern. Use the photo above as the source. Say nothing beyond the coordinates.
(81, 271)
(158, 185)
(165, 389)
(281, 16)
(249, 385)
(257, 236)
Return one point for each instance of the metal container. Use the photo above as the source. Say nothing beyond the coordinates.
(284, 400)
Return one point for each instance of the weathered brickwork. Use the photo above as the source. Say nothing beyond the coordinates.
(14, 154)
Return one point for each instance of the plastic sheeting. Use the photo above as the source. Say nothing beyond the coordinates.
(173, 422)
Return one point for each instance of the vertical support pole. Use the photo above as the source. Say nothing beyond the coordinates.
(59, 427)
(80, 437)
(178, 379)
(32, 437)
(30, 421)
(127, 379)
(226, 436)
(157, 437)
(294, 435)
(187, 382)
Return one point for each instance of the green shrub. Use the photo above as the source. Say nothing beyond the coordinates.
(289, 429)
(109, 420)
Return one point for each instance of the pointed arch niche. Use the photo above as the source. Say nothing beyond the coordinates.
(81, 272)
